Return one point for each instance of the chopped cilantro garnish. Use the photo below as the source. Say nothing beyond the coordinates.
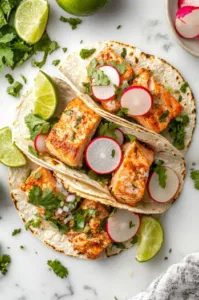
(55, 62)
(32, 151)
(64, 50)
(37, 175)
(98, 76)
(24, 78)
(180, 98)
(14, 90)
(68, 112)
(36, 222)
(36, 125)
(164, 116)
(5, 260)
(119, 26)
(165, 258)
(162, 176)
(85, 53)
(9, 78)
(184, 87)
(73, 22)
(113, 153)
(131, 224)
(130, 137)
(120, 245)
(80, 217)
(58, 268)
(78, 121)
(134, 240)
(135, 76)
(28, 172)
(170, 250)
(124, 52)
(195, 177)
(16, 231)
(103, 224)
(21, 247)
(177, 130)
(121, 67)
(107, 129)
(87, 86)
(81, 41)
(119, 90)
(63, 228)
(122, 112)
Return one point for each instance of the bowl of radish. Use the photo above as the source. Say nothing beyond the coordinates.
(183, 19)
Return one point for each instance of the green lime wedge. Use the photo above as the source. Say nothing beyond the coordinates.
(150, 239)
(10, 155)
(31, 19)
(46, 97)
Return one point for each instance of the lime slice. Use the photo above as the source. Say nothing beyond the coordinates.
(46, 98)
(10, 155)
(150, 239)
(30, 20)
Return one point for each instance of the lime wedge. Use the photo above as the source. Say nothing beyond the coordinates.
(150, 239)
(46, 98)
(31, 19)
(10, 155)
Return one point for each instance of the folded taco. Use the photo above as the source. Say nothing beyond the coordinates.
(66, 220)
(123, 166)
(119, 80)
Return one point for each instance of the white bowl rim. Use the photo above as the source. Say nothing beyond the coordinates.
(170, 22)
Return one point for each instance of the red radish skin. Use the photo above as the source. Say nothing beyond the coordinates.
(120, 136)
(182, 3)
(137, 90)
(118, 230)
(118, 148)
(189, 15)
(40, 143)
(167, 190)
(105, 93)
(186, 31)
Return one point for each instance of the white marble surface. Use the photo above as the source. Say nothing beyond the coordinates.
(143, 25)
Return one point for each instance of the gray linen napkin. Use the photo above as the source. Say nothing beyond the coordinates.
(179, 282)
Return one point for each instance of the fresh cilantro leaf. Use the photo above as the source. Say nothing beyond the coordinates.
(131, 224)
(46, 198)
(103, 179)
(98, 76)
(5, 260)
(162, 176)
(195, 177)
(87, 86)
(36, 125)
(130, 137)
(32, 151)
(73, 22)
(120, 245)
(119, 90)
(24, 78)
(135, 76)
(85, 53)
(68, 112)
(113, 153)
(64, 50)
(184, 87)
(2, 18)
(14, 90)
(180, 98)
(134, 240)
(55, 62)
(80, 217)
(121, 67)
(157, 163)
(9, 78)
(124, 53)
(6, 57)
(16, 231)
(7, 38)
(119, 26)
(122, 112)
(63, 228)
(107, 129)
(36, 222)
(58, 268)
(28, 172)
(164, 116)
(21, 247)
(37, 175)
(177, 130)
(103, 224)
(8, 6)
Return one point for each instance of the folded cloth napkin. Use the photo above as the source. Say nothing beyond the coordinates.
(179, 282)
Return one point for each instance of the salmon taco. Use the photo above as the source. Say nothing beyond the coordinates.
(119, 80)
(66, 220)
(123, 166)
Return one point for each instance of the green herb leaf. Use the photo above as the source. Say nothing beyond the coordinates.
(58, 268)
(36, 222)
(80, 217)
(113, 153)
(131, 224)
(55, 62)
(107, 129)
(5, 260)
(64, 50)
(121, 67)
(164, 116)
(63, 228)
(32, 151)
(119, 26)
(124, 52)
(9, 78)
(98, 76)
(180, 98)
(24, 78)
(21, 247)
(162, 173)
(177, 130)
(36, 125)
(87, 86)
(16, 231)
(73, 22)
(134, 240)
(130, 137)
(184, 87)
(195, 177)
(37, 175)
(68, 112)
(122, 112)
(14, 90)
(120, 245)
(85, 53)
(119, 90)
(28, 172)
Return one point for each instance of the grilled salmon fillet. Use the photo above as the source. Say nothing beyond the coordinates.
(69, 137)
(129, 182)
(97, 240)
(164, 104)
(108, 55)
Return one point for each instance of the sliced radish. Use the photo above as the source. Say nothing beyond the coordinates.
(182, 3)
(137, 100)
(185, 30)
(123, 225)
(106, 92)
(120, 136)
(163, 195)
(40, 143)
(103, 155)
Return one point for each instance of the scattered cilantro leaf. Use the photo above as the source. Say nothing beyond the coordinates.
(107, 129)
(195, 177)
(21, 247)
(103, 179)
(180, 98)
(58, 268)
(36, 125)
(164, 116)
(119, 26)
(68, 112)
(55, 62)
(14, 90)
(73, 22)
(87, 86)
(24, 78)
(36, 222)
(184, 87)
(124, 52)
(37, 175)
(64, 50)
(32, 151)
(85, 53)
(9, 78)
(177, 130)
(122, 112)
(5, 260)
(113, 153)
(100, 78)
(80, 217)
(131, 224)
(162, 176)
(28, 172)
(134, 240)
(121, 67)
(130, 137)
(16, 231)
(135, 76)
(120, 245)
(119, 90)
(63, 228)
(81, 41)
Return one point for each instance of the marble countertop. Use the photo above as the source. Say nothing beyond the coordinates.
(143, 25)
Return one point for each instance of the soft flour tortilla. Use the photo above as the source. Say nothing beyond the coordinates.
(74, 69)
(47, 233)
(81, 181)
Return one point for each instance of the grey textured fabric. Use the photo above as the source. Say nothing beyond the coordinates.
(179, 282)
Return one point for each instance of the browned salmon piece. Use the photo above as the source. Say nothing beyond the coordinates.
(129, 182)
(163, 102)
(69, 137)
(93, 244)
(111, 105)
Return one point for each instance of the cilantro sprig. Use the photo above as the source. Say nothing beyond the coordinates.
(58, 268)
(107, 129)
(177, 131)
(73, 22)
(161, 171)
(85, 53)
(195, 177)
(5, 260)
(36, 125)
